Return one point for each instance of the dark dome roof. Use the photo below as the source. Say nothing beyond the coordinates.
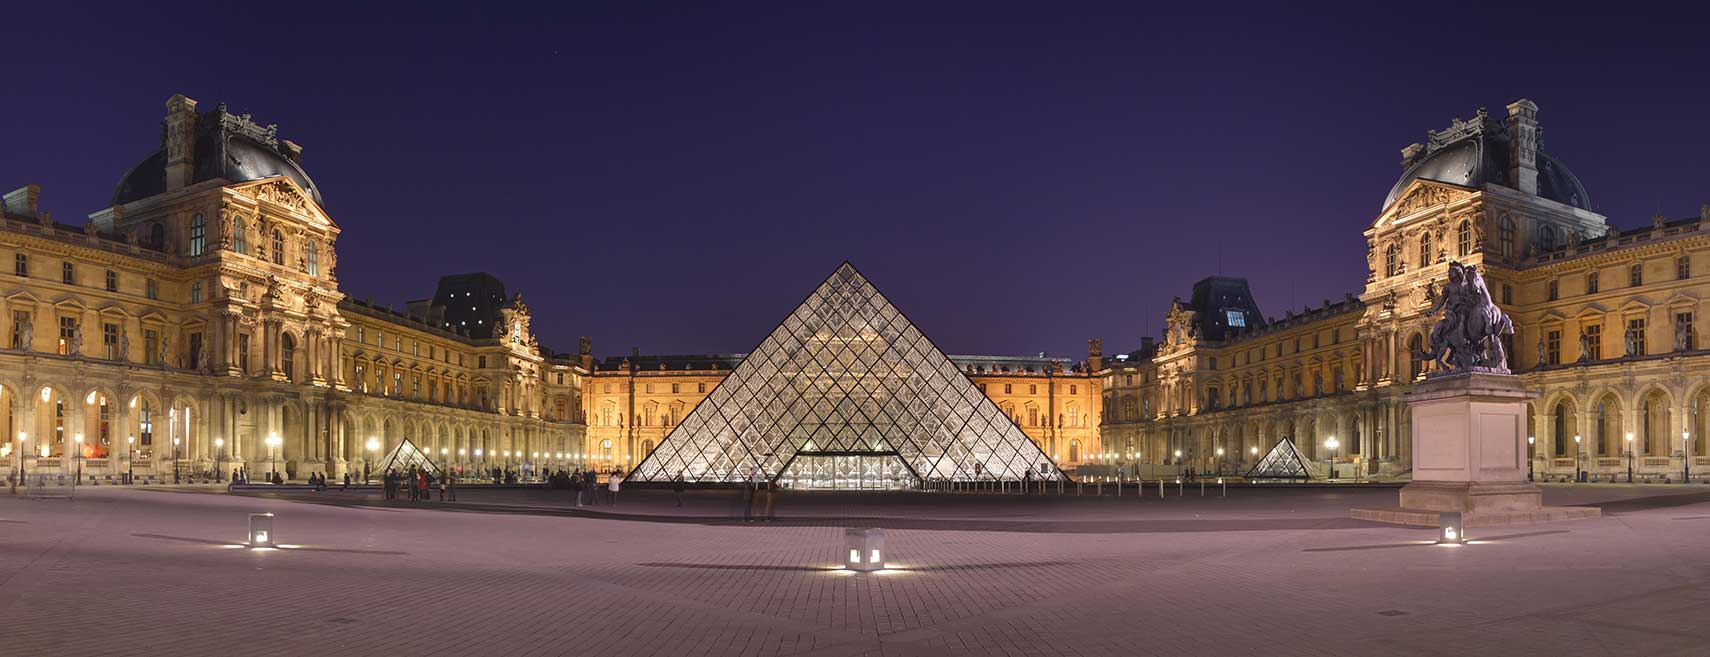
(1481, 156)
(227, 146)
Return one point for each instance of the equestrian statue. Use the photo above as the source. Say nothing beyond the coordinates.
(1469, 336)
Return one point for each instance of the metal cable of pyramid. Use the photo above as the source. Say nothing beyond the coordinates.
(846, 393)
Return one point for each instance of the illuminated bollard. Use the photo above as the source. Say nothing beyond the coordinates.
(1450, 529)
(864, 548)
(1224, 486)
(261, 530)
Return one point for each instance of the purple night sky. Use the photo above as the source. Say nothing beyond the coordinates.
(1016, 181)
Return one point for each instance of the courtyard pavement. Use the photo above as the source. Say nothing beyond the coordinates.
(509, 572)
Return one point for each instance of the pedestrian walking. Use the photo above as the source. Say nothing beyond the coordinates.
(442, 488)
(451, 487)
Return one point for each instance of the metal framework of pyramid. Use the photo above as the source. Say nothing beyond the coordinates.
(846, 393)
(1283, 462)
(406, 455)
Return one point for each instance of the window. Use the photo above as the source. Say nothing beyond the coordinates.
(1392, 261)
(198, 235)
(1464, 239)
(1415, 356)
(380, 338)
(1505, 236)
(1507, 294)
(145, 420)
(1006, 389)
(1236, 318)
(195, 352)
(360, 337)
(67, 329)
(196, 292)
(278, 247)
(1683, 267)
(151, 347)
(151, 289)
(240, 236)
(313, 253)
(112, 281)
(415, 348)
(648, 388)
(243, 352)
(1552, 348)
(288, 355)
(700, 387)
(361, 378)
(1636, 336)
(19, 319)
(1074, 389)
(608, 388)
(1593, 336)
(1554, 291)
(1684, 338)
(1546, 239)
(110, 340)
(67, 273)
(1032, 389)
(673, 386)
(1425, 249)
(21, 265)
(1592, 283)
(1636, 275)
(397, 382)
(415, 386)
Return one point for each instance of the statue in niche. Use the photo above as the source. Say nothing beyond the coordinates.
(27, 334)
(76, 346)
(165, 351)
(1584, 347)
(1469, 336)
(1542, 359)
(124, 346)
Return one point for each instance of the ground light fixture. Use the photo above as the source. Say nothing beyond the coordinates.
(864, 548)
(261, 530)
(1449, 529)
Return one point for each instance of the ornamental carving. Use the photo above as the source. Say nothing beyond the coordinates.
(1424, 197)
(282, 193)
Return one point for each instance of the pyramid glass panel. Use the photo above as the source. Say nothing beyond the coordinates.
(1283, 462)
(845, 394)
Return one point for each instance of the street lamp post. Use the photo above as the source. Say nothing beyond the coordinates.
(1629, 457)
(1531, 442)
(1332, 444)
(219, 459)
(79, 457)
(1578, 458)
(1685, 457)
(273, 456)
(373, 446)
(175, 460)
(19, 454)
(130, 460)
(1220, 461)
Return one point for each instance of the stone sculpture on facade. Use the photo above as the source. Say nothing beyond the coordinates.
(76, 346)
(1682, 336)
(1584, 347)
(27, 335)
(124, 347)
(1469, 336)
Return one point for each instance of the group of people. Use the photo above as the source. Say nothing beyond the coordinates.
(585, 484)
(418, 484)
(241, 476)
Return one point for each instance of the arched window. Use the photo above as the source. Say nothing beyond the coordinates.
(312, 251)
(278, 247)
(1505, 237)
(1425, 256)
(1561, 429)
(1603, 428)
(1074, 451)
(1463, 239)
(287, 355)
(1392, 260)
(156, 236)
(240, 236)
(198, 234)
(1546, 239)
(145, 428)
(1415, 359)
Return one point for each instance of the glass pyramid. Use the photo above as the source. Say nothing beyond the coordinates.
(1283, 462)
(846, 393)
(405, 456)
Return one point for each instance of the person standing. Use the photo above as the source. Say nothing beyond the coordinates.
(677, 488)
(612, 484)
(576, 486)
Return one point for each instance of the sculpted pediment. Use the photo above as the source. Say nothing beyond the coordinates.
(1420, 195)
(281, 192)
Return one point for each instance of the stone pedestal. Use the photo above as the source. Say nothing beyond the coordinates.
(1469, 455)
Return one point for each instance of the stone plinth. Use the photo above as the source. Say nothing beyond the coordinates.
(1469, 455)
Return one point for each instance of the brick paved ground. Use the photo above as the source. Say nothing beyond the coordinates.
(126, 572)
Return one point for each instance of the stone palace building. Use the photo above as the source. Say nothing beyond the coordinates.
(196, 324)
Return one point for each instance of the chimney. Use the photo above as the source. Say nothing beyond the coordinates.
(1411, 155)
(1095, 354)
(585, 350)
(292, 151)
(23, 201)
(1523, 145)
(180, 142)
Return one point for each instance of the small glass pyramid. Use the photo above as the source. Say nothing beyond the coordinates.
(846, 394)
(405, 455)
(1283, 462)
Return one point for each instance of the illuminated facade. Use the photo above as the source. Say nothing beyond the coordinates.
(196, 325)
(1607, 329)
